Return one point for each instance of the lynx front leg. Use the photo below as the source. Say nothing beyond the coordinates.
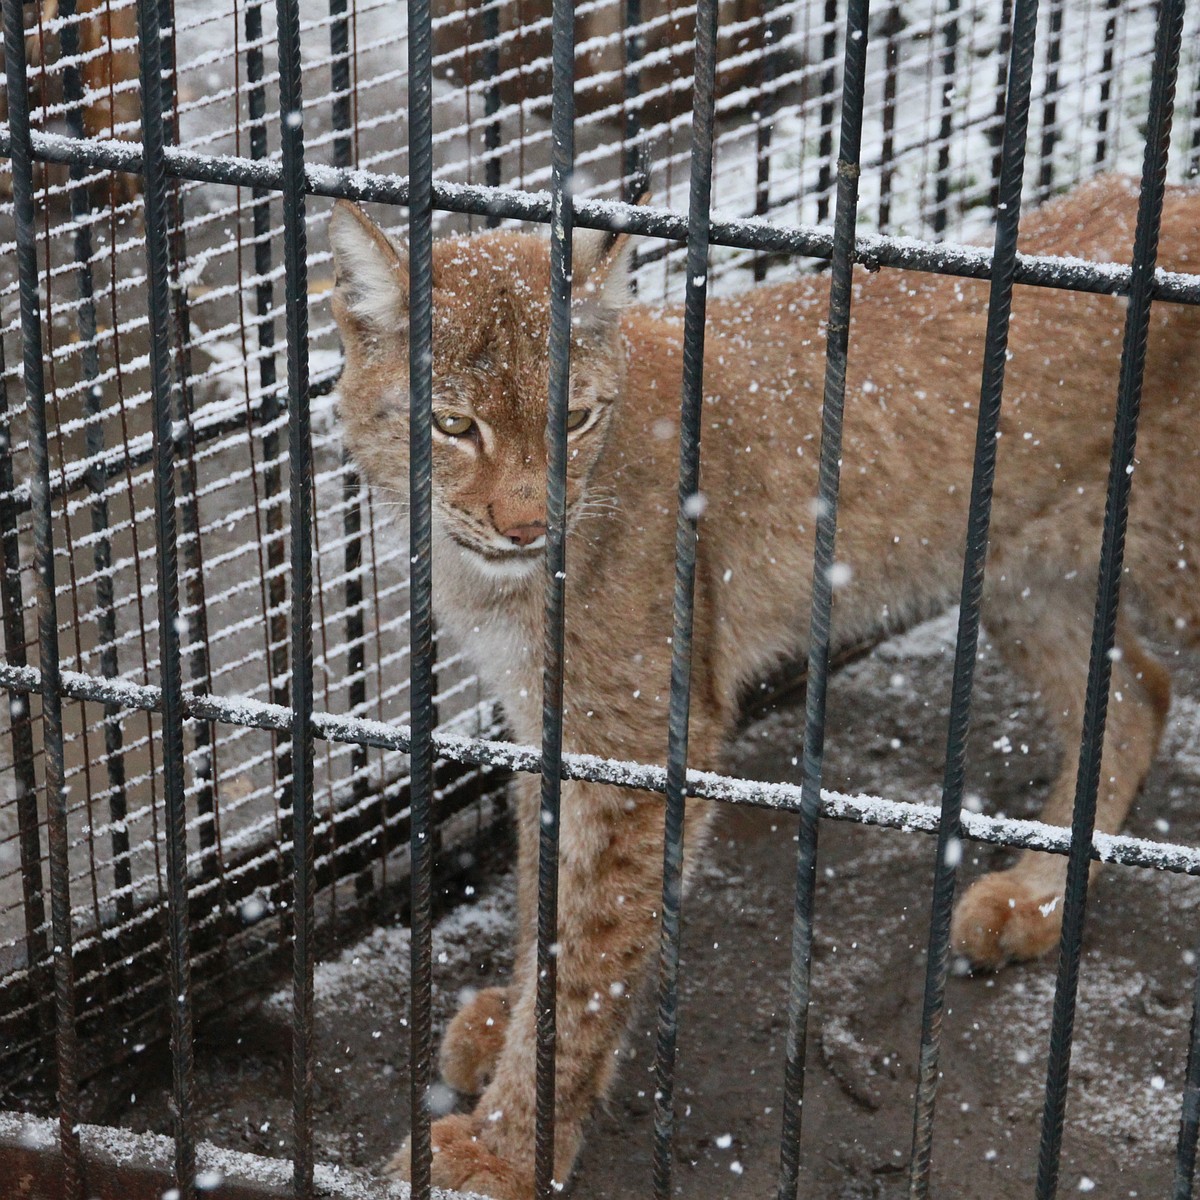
(610, 873)
(1017, 914)
(473, 1040)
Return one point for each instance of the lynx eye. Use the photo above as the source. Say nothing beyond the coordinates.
(453, 424)
(577, 418)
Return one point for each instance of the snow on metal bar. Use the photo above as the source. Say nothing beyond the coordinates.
(903, 815)
(871, 250)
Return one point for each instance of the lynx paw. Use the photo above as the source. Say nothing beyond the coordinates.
(473, 1041)
(1004, 917)
(462, 1163)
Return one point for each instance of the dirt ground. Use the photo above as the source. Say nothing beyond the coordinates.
(886, 731)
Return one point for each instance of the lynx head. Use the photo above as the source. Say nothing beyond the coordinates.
(490, 377)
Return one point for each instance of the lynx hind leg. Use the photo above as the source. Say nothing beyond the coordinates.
(473, 1041)
(1016, 914)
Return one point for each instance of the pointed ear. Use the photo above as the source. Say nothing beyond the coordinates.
(602, 261)
(370, 293)
(602, 268)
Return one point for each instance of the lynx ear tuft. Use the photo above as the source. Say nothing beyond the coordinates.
(370, 292)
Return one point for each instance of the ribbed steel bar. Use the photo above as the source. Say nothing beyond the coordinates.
(85, 317)
(995, 128)
(340, 108)
(1112, 551)
(491, 99)
(20, 728)
(1189, 1122)
(1016, 129)
(1050, 98)
(764, 117)
(891, 27)
(946, 122)
(273, 402)
(909, 816)
(420, 216)
(204, 759)
(291, 137)
(340, 117)
(65, 1044)
(870, 250)
(157, 225)
(632, 81)
(1193, 159)
(819, 637)
(691, 399)
(562, 222)
(828, 89)
(1104, 108)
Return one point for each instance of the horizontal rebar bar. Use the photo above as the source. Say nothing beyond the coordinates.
(812, 241)
(785, 797)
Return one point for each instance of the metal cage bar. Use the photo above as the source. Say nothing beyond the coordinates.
(820, 623)
(66, 1041)
(689, 511)
(810, 241)
(86, 325)
(291, 136)
(562, 225)
(949, 842)
(157, 222)
(420, 217)
(1116, 514)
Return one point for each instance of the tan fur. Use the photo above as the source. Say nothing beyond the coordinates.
(473, 1041)
(909, 434)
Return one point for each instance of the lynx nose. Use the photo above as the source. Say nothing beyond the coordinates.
(524, 535)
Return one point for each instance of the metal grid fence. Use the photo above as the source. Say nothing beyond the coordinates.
(167, 702)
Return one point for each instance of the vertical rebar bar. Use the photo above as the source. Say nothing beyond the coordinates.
(893, 23)
(291, 138)
(819, 637)
(946, 122)
(66, 1046)
(12, 609)
(204, 760)
(632, 134)
(85, 317)
(491, 99)
(764, 120)
(157, 225)
(340, 82)
(828, 100)
(995, 349)
(995, 128)
(1050, 134)
(1189, 1121)
(691, 397)
(271, 409)
(421, 687)
(1168, 37)
(1193, 159)
(562, 222)
(1104, 107)
(340, 116)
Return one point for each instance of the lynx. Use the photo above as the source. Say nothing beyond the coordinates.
(910, 420)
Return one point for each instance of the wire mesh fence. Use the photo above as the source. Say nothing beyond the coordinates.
(166, 400)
